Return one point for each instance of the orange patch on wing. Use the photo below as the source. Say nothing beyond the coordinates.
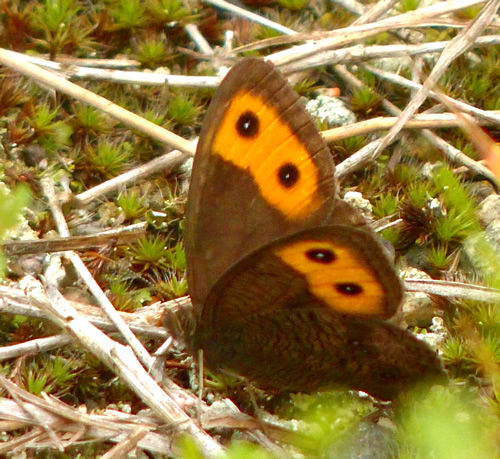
(274, 146)
(345, 269)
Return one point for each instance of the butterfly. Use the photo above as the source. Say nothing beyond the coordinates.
(290, 288)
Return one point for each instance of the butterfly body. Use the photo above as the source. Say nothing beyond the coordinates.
(289, 287)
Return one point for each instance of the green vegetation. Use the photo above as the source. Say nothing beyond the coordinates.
(45, 134)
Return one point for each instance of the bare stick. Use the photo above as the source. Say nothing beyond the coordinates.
(452, 289)
(35, 346)
(143, 78)
(14, 61)
(368, 152)
(359, 53)
(117, 75)
(492, 116)
(463, 41)
(375, 11)
(122, 361)
(200, 41)
(251, 16)
(431, 121)
(167, 161)
(114, 236)
(107, 426)
(121, 63)
(315, 48)
(11, 389)
(113, 425)
(127, 445)
(345, 35)
(91, 283)
(14, 301)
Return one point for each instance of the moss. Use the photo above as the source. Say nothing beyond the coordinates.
(48, 134)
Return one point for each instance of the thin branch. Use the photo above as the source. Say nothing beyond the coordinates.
(375, 11)
(492, 116)
(34, 346)
(13, 390)
(115, 236)
(200, 41)
(14, 301)
(121, 63)
(288, 56)
(126, 445)
(121, 360)
(107, 426)
(359, 53)
(423, 121)
(346, 35)
(450, 289)
(89, 280)
(372, 151)
(16, 62)
(457, 46)
(167, 161)
(238, 11)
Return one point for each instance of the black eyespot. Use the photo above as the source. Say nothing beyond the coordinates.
(323, 256)
(288, 175)
(349, 289)
(248, 124)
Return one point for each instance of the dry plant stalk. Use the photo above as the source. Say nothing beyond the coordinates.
(61, 425)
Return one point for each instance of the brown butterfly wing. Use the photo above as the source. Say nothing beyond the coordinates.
(308, 349)
(306, 313)
(261, 171)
